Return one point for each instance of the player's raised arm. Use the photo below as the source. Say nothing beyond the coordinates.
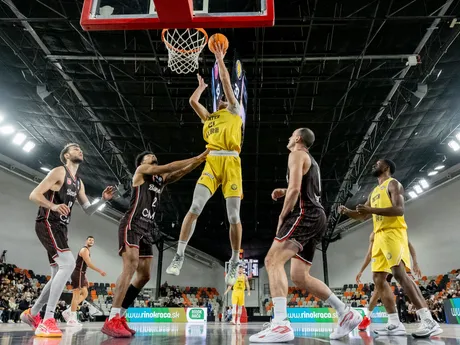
(194, 100)
(178, 174)
(148, 169)
(89, 208)
(37, 195)
(225, 78)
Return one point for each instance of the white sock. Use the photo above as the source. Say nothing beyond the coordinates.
(369, 313)
(337, 304)
(235, 256)
(393, 319)
(74, 315)
(234, 316)
(181, 247)
(424, 314)
(122, 311)
(114, 312)
(280, 306)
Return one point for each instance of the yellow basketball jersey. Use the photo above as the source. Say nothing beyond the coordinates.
(240, 283)
(222, 131)
(380, 198)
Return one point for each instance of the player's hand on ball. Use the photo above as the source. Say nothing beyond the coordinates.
(278, 193)
(219, 50)
(201, 84)
(62, 209)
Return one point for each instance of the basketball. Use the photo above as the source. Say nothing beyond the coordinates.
(215, 39)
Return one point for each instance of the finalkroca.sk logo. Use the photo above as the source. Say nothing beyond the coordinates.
(196, 314)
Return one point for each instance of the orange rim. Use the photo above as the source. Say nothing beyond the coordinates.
(185, 51)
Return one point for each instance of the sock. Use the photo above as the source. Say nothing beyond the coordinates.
(424, 314)
(235, 256)
(234, 312)
(337, 304)
(280, 307)
(181, 247)
(114, 312)
(393, 319)
(122, 311)
(130, 296)
(369, 313)
(74, 316)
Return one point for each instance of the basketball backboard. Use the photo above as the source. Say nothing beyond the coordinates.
(98, 15)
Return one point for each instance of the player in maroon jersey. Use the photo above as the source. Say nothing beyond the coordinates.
(135, 233)
(56, 195)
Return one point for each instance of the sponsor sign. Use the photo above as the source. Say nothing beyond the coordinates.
(452, 310)
(167, 315)
(329, 315)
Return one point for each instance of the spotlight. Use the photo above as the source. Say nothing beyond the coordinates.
(412, 194)
(1, 118)
(45, 169)
(7, 129)
(418, 189)
(439, 166)
(432, 172)
(19, 138)
(458, 136)
(454, 145)
(28, 146)
(424, 183)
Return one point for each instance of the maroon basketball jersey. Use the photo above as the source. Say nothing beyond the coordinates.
(80, 264)
(66, 195)
(310, 189)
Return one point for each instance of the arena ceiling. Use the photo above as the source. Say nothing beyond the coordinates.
(342, 68)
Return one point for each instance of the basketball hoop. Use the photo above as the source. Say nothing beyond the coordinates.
(184, 48)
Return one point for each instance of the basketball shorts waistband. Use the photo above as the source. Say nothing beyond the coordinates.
(223, 153)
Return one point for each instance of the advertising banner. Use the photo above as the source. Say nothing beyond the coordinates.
(167, 315)
(452, 310)
(329, 315)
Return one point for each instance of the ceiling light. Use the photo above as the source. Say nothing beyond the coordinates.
(454, 145)
(19, 138)
(28, 146)
(424, 183)
(45, 169)
(100, 208)
(96, 200)
(7, 129)
(439, 167)
(418, 189)
(458, 136)
(432, 172)
(412, 194)
(1, 118)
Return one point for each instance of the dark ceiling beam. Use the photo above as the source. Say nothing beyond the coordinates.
(366, 148)
(122, 171)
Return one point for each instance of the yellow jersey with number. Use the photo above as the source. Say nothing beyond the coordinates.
(240, 284)
(380, 198)
(222, 130)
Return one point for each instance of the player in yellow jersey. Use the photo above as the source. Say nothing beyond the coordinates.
(240, 285)
(222, 131)
(390, 251)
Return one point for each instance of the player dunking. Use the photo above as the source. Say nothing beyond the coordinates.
(301, 226)
(56, 195)
(222, 131)
(240, 285)
(135, 233)
(376, 295)
(79, 282)
(390, 251)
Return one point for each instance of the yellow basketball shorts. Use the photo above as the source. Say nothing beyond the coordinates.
(225, 171)
(238, 298)
(390, 247)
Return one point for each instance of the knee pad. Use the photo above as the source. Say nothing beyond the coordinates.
(233, 210)
(196, 207)
(201, 195)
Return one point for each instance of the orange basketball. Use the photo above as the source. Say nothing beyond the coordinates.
(215, 39)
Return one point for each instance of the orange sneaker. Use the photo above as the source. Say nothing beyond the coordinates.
(115, 328)
(32, 321)
(48, 329)
(364, 324)
(124, 322)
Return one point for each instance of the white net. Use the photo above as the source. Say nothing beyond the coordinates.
(184, 48)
